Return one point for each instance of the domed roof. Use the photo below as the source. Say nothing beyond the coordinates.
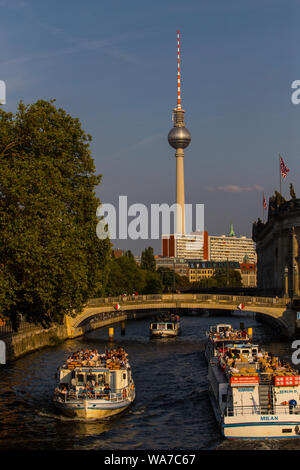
(179, 137)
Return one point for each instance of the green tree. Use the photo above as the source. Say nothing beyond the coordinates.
(147, 260)
(51, 258)
(231, 278)
(153, 283)
(167, 277)
(124, 276)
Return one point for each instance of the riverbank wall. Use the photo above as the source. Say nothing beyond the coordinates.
(34, 338)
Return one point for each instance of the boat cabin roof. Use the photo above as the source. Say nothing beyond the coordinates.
(220, 327)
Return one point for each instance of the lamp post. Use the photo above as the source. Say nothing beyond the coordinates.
(286, 282)
(295, 283)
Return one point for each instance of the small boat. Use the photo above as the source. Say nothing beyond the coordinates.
(253, 394)
(94, 386)
(165, 326)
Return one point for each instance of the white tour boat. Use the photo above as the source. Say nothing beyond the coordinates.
(254, 395)
(165, 326)
(94, 386)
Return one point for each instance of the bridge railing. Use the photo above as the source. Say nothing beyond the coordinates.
(231, 299)
(25, 327)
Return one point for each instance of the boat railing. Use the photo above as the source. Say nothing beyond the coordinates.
(112, 396)
(261, 410)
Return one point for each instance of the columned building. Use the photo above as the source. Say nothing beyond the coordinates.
(277, 243)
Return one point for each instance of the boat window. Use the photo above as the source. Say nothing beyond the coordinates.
(254, 351)
(245, 352)
(154, 326)
(161, 326)
(91, 377)
(124, 376)
(169, 326)
(80, 378)
(101, 378)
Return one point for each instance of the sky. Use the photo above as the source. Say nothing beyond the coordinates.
(113, 65)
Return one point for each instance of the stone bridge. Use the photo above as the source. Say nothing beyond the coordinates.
(277, 310)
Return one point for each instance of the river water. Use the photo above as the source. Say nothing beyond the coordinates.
(172, 408)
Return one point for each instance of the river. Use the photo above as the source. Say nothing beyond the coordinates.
(172, 408)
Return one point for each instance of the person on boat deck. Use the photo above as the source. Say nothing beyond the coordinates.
(233, 369)
(230, 361)
(244, 333)
(106, 390)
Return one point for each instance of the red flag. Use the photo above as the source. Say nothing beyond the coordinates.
(283, 168)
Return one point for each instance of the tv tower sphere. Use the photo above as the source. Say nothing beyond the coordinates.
(179, 137)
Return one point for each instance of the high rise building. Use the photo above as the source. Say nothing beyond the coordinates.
(231, 247)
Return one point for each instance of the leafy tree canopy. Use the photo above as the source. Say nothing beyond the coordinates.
(50, 257)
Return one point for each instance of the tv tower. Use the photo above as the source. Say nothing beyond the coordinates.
(179, 138)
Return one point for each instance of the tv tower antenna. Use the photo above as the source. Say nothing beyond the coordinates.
(178, 74)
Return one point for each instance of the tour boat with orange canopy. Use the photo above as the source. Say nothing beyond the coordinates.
(254, 394)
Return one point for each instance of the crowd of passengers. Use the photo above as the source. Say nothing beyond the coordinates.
(166, 317)
(92, 388)
(227, 333)
(91, 357)
(268, 362)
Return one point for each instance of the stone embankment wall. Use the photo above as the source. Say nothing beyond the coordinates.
(34, 338)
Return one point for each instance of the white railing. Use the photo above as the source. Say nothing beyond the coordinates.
(81, 395)
(261, 410)
(266, 301)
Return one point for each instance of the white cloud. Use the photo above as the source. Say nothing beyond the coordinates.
(234, 188)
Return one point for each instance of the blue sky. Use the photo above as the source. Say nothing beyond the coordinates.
(113, 65)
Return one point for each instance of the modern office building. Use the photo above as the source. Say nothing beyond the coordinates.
(230, 247)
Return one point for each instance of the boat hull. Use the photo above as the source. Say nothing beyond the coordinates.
(262, 427)
(91, 409)
(163, 334)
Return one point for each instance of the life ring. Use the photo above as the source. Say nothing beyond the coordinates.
(124, 393)
(132, 387)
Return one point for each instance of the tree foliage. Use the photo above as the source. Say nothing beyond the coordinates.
(49, 253)
(148, 260)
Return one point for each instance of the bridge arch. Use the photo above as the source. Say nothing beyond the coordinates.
(277, 310)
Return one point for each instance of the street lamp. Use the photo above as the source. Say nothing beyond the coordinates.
(286, 281)
(295, 284)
